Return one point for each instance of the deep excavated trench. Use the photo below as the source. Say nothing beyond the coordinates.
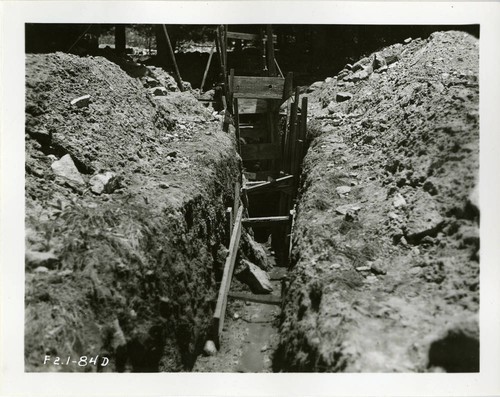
(385, 266)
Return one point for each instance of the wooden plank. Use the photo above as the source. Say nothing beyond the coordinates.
(220, 308)
(260, 151)
(260, 175)
(236, 204)
(276, 184)
(301, 138)
(247, 36)
(229, 223)
(258, 87)
(293, 133)
(207, 67)
(266, 221)
(288, 87)
(271, 65)
(253, 106)
(289, 238)
(177, 75)
(237, 124)
(267, 299)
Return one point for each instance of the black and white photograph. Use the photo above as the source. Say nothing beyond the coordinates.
(238, 198)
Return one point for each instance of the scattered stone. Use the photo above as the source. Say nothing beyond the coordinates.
(378, 61)
(331, 107)
(256, 278)
(118, 339)
(264, 348)
(393, 215)
(151, 82)
(363, 268)
(64, 273)
(343, 189)
(104, 183)
(236, 316)
(41, 269)
(348, 66)
(382, 69)
(360, 64)
(158, 91)
(399, 201)
(335, 266)
(378, 268)
(81, 102)
(343, 96)
(66, 169)
(423, 222)
(315, 86)
(359, 75)
(36, 259)
(164, 185)
(344, 209)
(391, 58)
(371, 279)
(428, 240)
(415, 270)
(408, 40)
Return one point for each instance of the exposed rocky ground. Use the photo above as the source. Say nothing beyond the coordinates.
(385, 272)
(127, 183)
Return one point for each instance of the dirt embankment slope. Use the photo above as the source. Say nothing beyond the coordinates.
(122, 256)
(386, 245)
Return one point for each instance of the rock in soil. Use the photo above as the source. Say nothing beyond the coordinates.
(256, 278)
(66, 169)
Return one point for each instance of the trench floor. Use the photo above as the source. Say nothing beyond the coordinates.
(250, 334)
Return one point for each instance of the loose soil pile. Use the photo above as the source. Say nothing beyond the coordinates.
(127, 270)
(386, 246)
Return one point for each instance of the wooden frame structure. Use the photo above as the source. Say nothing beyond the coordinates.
(253, 103)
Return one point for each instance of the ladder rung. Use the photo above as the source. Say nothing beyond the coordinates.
(266, 221)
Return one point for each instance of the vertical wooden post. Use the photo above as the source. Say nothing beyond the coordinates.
(120, 39)
(301, 137)
(271, 65)
(293, 132)
(230, 89)
(303, 129)
(237, 124)
(225, 44)
(177, 75)
(207, 67)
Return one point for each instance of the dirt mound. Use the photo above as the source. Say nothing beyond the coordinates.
(386, 241)
(123, 253)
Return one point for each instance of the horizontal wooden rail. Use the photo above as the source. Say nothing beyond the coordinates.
(258, 87)
(271, 185)
(266, 221)
(248, 36)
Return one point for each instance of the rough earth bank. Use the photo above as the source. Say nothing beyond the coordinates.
(386, 246)
(130, 272)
